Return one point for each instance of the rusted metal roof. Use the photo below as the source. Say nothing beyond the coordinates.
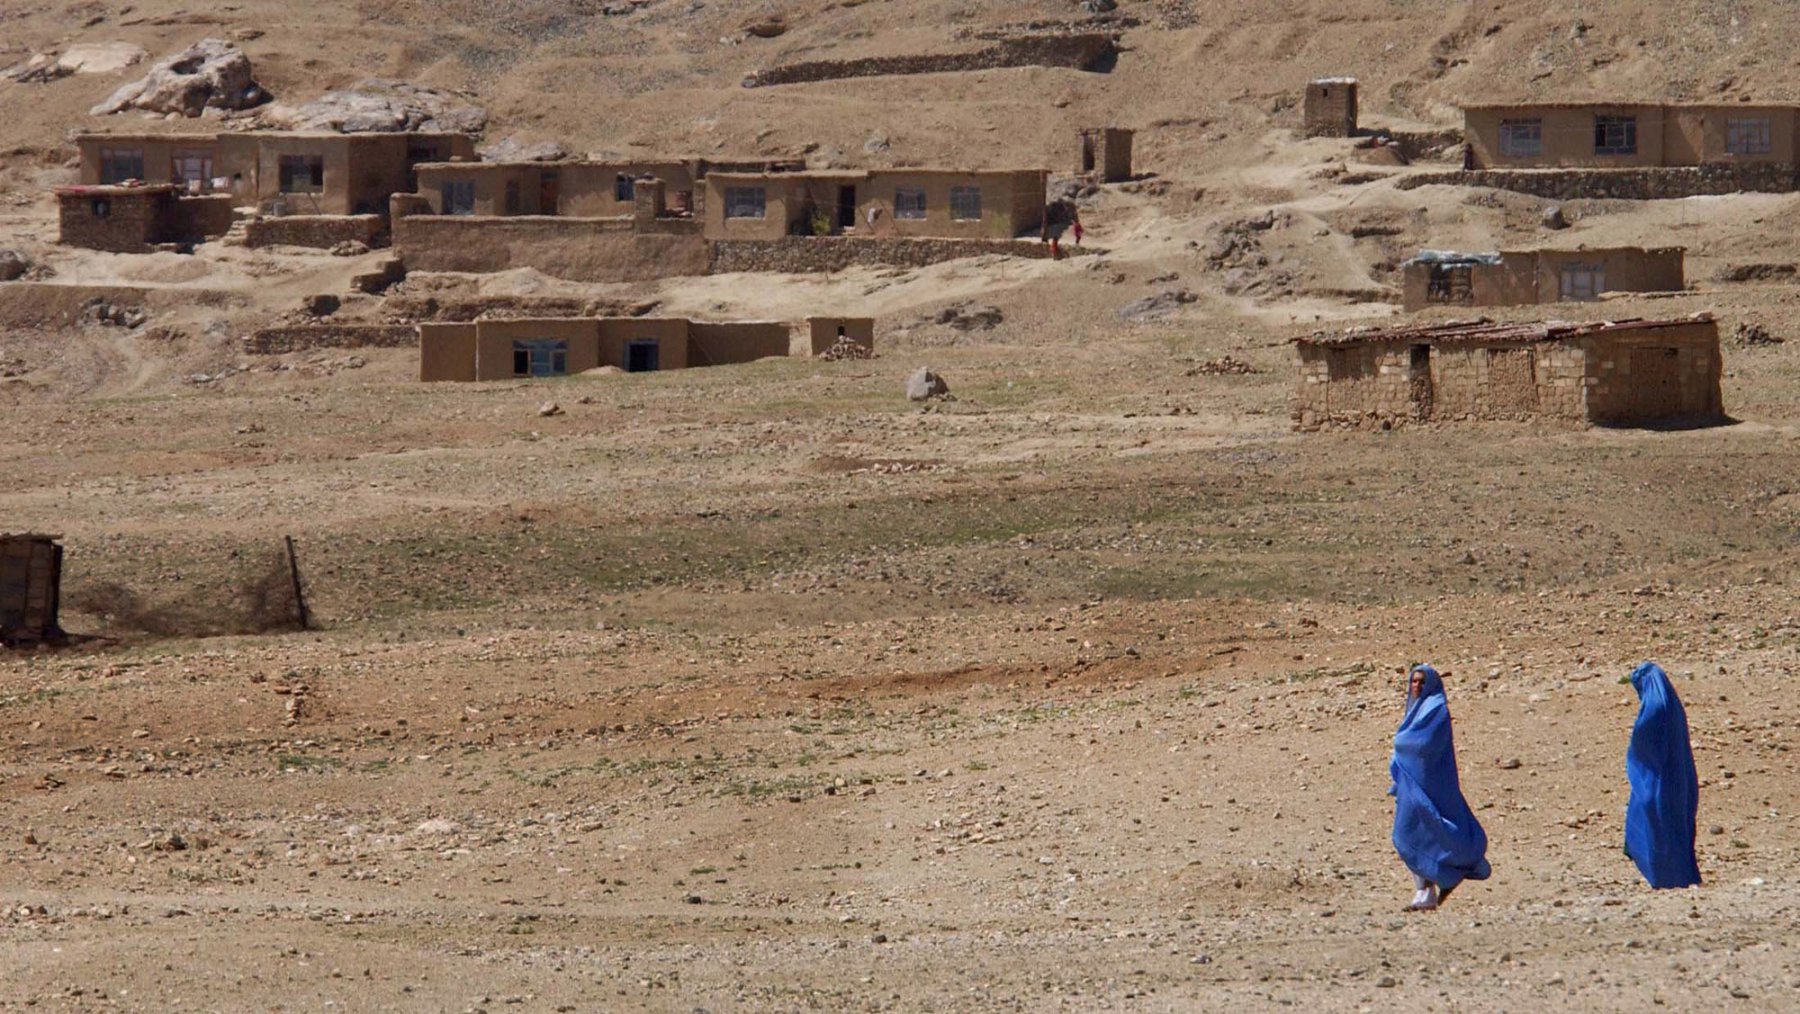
(1484, 330)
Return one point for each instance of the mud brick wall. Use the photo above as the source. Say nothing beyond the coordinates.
(1374, 386)
(1090, 52)
(835, 253)
(275, 341)
(1646, 184)
(321, 231)
(577, 249)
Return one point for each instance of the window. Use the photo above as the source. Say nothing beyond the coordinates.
(1615, 135)
(643, 356)
(624, 188)
(965, 204)
(1522, 138)
(1582, 282)
(191, 167)
(540, 357)
(101, 207)
(1749, 135)
(120, 164)
(909, 202)
(1450, 283)
(302, 174)
(746, 202)
(512, 197)
(459, 198)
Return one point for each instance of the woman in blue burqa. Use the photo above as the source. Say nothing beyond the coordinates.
(1665, 790)
(1435, 833)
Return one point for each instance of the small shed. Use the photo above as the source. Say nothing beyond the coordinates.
(1609, 373)
(1106, 153)
(121, 219)
(30, 589)
(1330, 107)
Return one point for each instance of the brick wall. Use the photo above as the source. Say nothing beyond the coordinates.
(274, 341)
(578, 249)
(1089, 51)
(1650, 183)
(797, 254)
(321, 231)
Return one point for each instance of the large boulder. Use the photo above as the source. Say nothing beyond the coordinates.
(211, 73)
(924, 385)
(100, 57)
(383, 105)
(514, 150)
(13, 265)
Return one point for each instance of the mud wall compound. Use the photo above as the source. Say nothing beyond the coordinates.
(321, 231)
(1646, 184)
(275, 341)
(800, 254)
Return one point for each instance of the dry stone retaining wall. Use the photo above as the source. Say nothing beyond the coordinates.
(321, 231)
(274, 341)
(796, 254)
(1089, 52)
(1645, 184)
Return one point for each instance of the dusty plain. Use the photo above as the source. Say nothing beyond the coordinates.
(761, 688)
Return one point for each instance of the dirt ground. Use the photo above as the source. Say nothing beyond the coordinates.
(761, 688)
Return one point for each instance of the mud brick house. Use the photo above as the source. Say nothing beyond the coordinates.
(136, 219)
(575, 189)
(1105, 153)
(1513, 278)
(1627, 135)
(877, 203)
(1611, 373)
(320, 173)
(1329, 107)
(825, 332)
(30, 589)
(554, 347)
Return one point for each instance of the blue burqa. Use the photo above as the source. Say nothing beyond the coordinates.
(1665, 790)
(1435, 833)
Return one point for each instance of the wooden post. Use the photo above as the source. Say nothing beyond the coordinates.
(299, 595)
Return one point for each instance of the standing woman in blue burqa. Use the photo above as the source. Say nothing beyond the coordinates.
(1435, 832)
(1665, 789)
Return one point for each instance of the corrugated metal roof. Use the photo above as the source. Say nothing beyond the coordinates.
(1485, 330)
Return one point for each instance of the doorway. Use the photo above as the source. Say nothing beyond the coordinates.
(1419, 380)
(846, 216)
(1087, 153)
(548, 194)
(642, 356)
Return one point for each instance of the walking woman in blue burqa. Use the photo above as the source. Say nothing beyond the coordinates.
(1665, 789)
(1435, 832)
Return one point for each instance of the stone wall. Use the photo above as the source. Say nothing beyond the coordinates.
(117, 221)
(1651, 183)
(577, 249)
(1379, 385)
(800, 254)
(1093, 51)
(320, 231)
(275, 341)
(198, 218)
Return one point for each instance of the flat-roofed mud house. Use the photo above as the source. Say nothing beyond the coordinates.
(574, 189)
(1519, 277)
(139, 218)
(1613, 373)
(1104, 153)
(1329, 107)
(876, 203)
(1626, 135)
(554, 347)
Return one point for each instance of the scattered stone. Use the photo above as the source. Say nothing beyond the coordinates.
(1554, 218)
(924, 385)
(99, 311)
(877, 144)
(1757, 272)
(212, 73)
(350, 248)
(1745, 336)
(1510, 764)
(171, 843)
(1155, 307)
(381, 105)
(321, 305)
(1386, 982)
(549, 408)
(100, 57)
(969, 318)
(438, 826)
(514, 150)
(1222, 366)
(1099, 6)
(767, 27)
(847, 348)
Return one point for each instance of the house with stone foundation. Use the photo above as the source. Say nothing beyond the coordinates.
(556, 347)
(297, 188)
(139, 218)
(1521, 277)
(1608, 373)
(1628, 135)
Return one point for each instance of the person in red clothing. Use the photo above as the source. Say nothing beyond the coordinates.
(1078, 229)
